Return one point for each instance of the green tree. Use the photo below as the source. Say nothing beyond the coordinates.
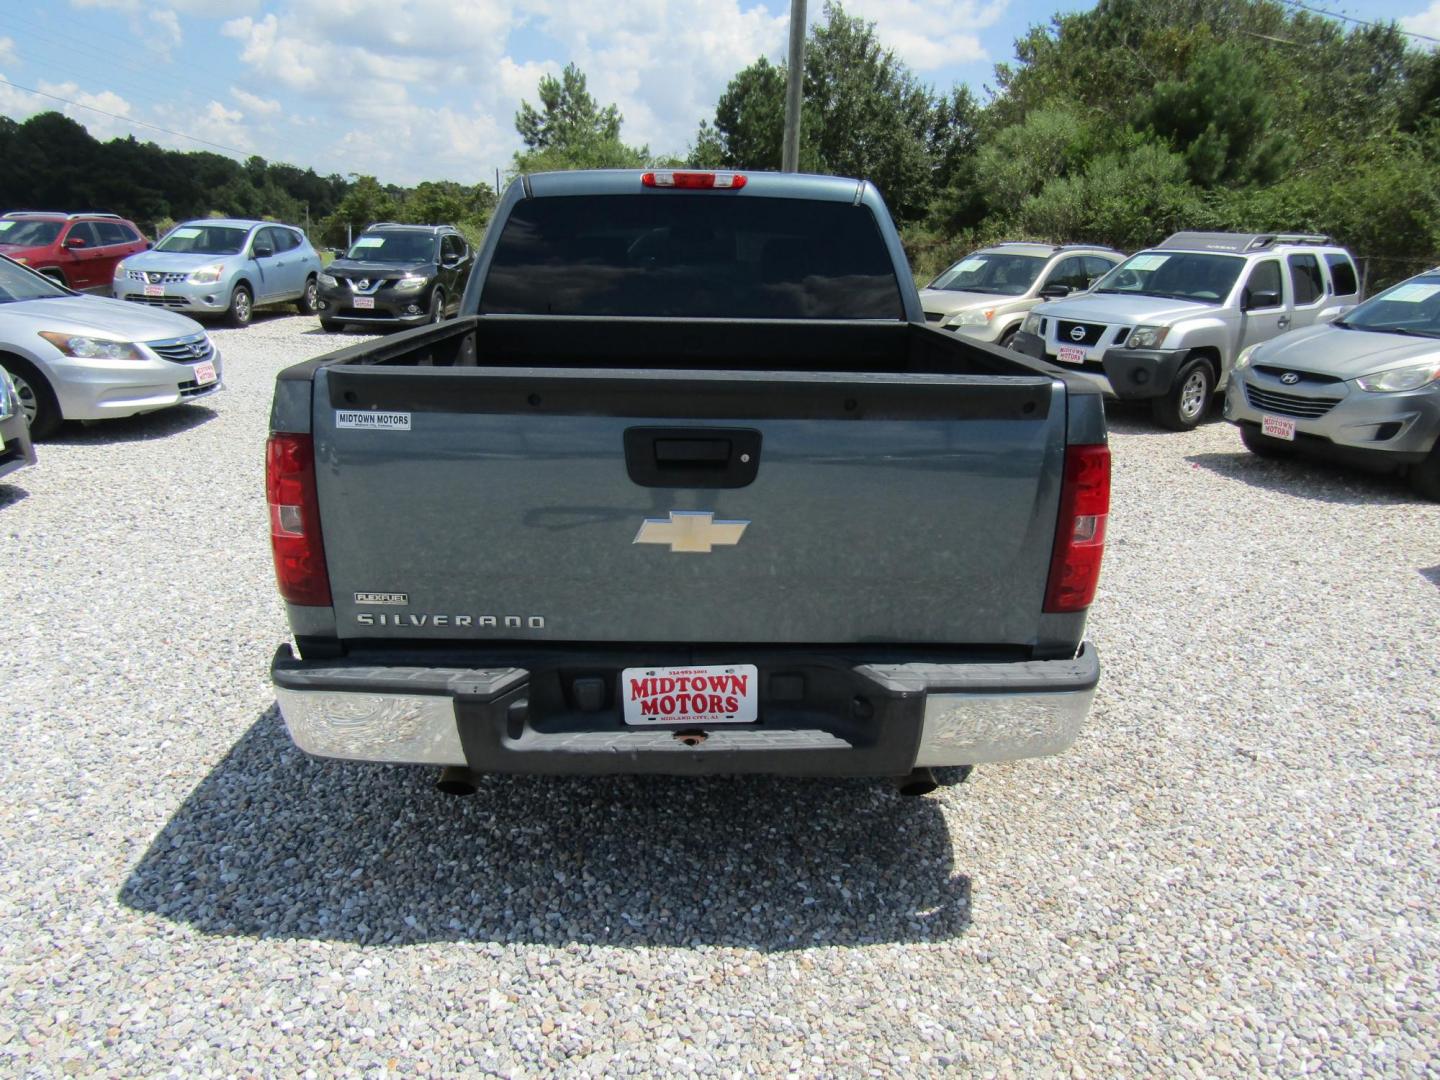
(365, 203)
(864, 114)
(1221, 117)
(571, 130)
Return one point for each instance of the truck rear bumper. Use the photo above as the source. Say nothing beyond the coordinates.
(820, 714)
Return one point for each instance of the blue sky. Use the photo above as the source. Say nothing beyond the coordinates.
(427, 89)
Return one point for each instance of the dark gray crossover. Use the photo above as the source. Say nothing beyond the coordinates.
(399, 275)
(690, 488)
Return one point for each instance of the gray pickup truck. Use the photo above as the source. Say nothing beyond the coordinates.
(689, 487)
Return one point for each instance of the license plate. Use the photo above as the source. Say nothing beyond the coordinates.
(691, 695)
(1277, 427)
(1071, 354)
(154, 290)
(205, 373)
(364, 303)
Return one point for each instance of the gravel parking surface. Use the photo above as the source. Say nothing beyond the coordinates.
(1234, 870)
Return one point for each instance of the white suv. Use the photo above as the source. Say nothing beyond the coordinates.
(1167, 324)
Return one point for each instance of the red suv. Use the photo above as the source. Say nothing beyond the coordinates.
(78, 250)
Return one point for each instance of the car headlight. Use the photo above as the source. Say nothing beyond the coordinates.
(326, 280)
(208, 275)
(120, 271)
(1146, 337)
(1031, 325)
(1410, 377)
(85, 347)
(972, 318)
(22, 260)
(411, 282)
(1246, 354)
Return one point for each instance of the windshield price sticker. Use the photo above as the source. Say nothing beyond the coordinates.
(370, 242)
(1147, 262)
(374, 421)
(185, 234)
(970, 264)
(694, 695)
(1413, 294)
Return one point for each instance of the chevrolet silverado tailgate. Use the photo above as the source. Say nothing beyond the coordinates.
(576, 505)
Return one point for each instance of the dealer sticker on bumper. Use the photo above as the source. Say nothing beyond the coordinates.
(1277, 427)
(691, 695)
(1071, 354)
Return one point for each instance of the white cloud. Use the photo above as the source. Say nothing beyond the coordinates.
(167, 35)
(16, 103)
(928, 35)
(254, 104)
(8, 55)
(1426, 22)
(664, 64)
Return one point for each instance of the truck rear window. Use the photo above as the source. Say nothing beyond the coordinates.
(694, 256)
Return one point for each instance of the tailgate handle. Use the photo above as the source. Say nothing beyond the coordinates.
(692, 457)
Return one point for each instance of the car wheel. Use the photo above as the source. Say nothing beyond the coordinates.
(56, 276)
(1183, 406)
(1425, 477)
(242, 307)
(1007, 337)
(437, 306)
(309, 302)
(331, 324)
(1262, 445)
(37, 400)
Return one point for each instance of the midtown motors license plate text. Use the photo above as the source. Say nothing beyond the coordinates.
(692, 695)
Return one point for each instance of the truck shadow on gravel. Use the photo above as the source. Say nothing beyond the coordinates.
(274, 844)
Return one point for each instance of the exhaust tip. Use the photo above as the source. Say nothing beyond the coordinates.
(456, 780)
(920, 782)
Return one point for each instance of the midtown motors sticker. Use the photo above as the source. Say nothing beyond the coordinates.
(697, 695)
(377, 421)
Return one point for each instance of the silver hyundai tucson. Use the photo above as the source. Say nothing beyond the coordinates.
(1362, 390)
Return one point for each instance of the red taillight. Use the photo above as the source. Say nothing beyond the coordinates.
(1080, 532)
(295, 520)
(672, 179)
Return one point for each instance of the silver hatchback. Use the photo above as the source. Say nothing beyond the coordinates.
(1363, 390)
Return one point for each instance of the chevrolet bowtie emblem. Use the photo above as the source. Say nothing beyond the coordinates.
(690, 530)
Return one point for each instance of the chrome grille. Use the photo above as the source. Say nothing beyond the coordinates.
(155, 277)
(1306, 408)
(186, 350)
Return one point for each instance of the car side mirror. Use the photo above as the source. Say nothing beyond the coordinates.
(148, 245)
(262, 250)
(1055, 292)
(74, 241)
(1254, 300)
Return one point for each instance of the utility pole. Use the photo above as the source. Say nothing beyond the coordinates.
(790, 149)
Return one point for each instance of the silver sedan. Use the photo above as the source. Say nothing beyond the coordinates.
(77, 357)
(1363, 390)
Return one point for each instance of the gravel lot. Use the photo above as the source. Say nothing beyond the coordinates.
(1233, 871)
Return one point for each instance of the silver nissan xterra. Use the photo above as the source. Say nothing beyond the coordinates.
(1167, 324)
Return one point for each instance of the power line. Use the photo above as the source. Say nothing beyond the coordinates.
(127, 119)
(1358, 22)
